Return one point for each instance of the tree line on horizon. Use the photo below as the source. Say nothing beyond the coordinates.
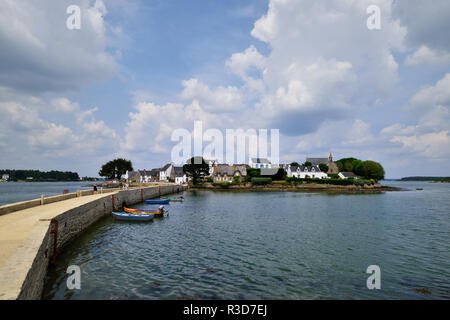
(36, 175)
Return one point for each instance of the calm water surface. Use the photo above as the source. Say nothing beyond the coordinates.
(11, 192)
(271, 245)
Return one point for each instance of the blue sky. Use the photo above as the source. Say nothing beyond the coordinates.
(138, 70)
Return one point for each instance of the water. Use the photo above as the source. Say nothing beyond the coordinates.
(274, 245)
(11, 192)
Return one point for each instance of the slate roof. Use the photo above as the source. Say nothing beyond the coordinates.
(261, 160)
(349, 174)
(178, 171)
(165, 167)
(305, 169)
(317, 161)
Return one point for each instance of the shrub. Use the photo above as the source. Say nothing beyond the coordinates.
(210, 179)
(236, 180)
(222, 184)
(280, 182)
(261, 181)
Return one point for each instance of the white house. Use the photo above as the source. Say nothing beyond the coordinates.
(166, 172)
(347, 175)
(259, 163)
(211, 164)
(5, 176)
(180, 176)
(303, 172)
(143, 176)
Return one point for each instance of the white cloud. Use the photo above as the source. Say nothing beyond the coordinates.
(323, 61)
(430, 136)
(241, 62)
(425, 55)
(28, 126)
(40, 54)
(220, 99)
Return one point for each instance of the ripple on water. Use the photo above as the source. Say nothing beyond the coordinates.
(254, 246)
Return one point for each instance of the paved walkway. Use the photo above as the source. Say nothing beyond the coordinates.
(21, 235)
(15, 227)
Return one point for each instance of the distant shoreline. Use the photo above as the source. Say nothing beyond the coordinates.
(300, 188)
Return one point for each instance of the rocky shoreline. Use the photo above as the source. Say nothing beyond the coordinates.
(298, 187)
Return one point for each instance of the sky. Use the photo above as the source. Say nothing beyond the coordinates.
(135, 71)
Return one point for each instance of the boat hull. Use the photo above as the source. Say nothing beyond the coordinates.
(124, 216)
(132, 210)
(166, 201)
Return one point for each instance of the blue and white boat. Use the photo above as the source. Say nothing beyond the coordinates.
(126, 216)
(161, 201)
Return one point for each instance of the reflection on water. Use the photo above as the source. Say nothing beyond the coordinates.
(274, 245)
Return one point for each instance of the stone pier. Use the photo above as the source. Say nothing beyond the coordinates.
(32, 235)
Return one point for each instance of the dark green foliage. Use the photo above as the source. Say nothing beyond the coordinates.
(323, 167)
(347, 164)
(307, 164)
(280, 175)
(252, 172)
(222, 184)
(261, 180)
(295, 164)
(366, 169)
(196, 168)
(421, 178)
(114, 169)
(36, 175)
(370, 170)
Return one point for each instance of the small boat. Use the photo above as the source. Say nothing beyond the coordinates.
(175, 199)
(162, 201)
(132, 210)
(124, 216)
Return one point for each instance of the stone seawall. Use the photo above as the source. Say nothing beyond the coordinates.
(22, 276)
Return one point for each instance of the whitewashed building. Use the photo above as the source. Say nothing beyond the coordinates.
(347, 175)
(180, 176)
(167, 172)
(211, 164)
(302, 172)
(259, 163)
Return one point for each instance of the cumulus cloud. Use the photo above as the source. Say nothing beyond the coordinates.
(28, 126)
(425, 55)
(220, 99)
(430, 136)
(40, 54)
(425, 22)
(319, 59)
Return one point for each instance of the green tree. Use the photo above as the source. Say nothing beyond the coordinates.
(253, 172)
(114, 169)
(280, 175)
(307, 164)
(295, 164)
(323, 167)
(196, 168)
(370, 170)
